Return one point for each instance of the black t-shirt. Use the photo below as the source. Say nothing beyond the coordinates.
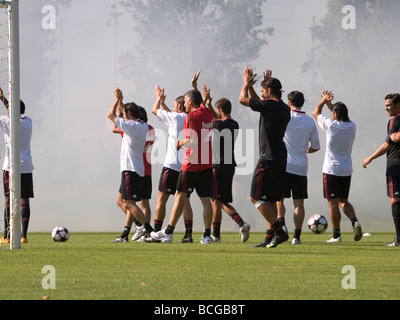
(274, 118)
(393, 156)
(224, 141)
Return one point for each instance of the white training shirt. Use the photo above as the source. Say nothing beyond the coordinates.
(133, 143)
(301, 133)
(26, 134)
(175, 122)
(340, 137)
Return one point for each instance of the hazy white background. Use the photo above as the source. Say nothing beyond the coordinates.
(68, 86)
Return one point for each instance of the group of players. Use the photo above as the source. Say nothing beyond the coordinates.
(207, 136)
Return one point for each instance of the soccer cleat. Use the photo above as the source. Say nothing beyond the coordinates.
(140, 231)
(338, 239)
(263, 244)
(216, 239)
(395, 243)
(6, 240)
(296, 241)
(278, 239)
(187, 239)
(161, 236)
(245, 232)
(121, 240)
(24, 240)
(206, 240)
(357, 231)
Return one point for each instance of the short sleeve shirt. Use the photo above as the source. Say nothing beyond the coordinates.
(274, 118)
(393, 156)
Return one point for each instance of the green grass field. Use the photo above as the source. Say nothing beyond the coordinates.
(90, 267)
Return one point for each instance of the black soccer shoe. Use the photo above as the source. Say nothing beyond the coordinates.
(263, 244)
(278, 239)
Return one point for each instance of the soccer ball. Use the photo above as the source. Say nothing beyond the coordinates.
(317, 223)
(60, 234)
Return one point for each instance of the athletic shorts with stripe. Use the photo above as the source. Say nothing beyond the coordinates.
(295, 186)
(336, 187)
(267, 181)
(131, 186)
(393, 186)
(168, 181)
(26, 184)
(147, 188)
(222, 182)
(201, 181)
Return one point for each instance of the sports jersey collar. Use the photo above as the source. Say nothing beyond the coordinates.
(299, 111)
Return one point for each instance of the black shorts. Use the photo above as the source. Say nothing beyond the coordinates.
(295, 186)
(131, 186)
(222, 183)
(393, 186)
(168, 181)
(336, 187)
(201, 181)
(26, 185)
(267, 181)
(147, 188)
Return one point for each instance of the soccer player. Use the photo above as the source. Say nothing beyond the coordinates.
(266, 188)
(196, 171)
(26, 170)
(175, 120)
(391, 147)
(225, 131)
(131, 159)
(337, 168)
(301, 138)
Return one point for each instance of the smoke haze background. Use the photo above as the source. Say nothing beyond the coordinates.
(69, 75)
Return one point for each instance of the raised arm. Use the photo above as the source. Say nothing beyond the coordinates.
(195, 79)
(244, 93)
(208, 100)
(159, 99)
(112, 113)
(327, 97)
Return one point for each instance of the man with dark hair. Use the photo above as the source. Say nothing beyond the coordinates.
(225, 131)
(131, 158)
(26, 170)
(301, 138)
(175, 121)
(391, 147)
(196, 172)
(266, 188)
(337, 169)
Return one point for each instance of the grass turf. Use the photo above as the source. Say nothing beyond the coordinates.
(90, 267)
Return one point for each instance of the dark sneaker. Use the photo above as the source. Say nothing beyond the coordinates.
(395, 243)
(187, 239)
(263, 244)
(278, 239)
(357, 231)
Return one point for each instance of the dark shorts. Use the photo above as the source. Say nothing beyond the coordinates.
(267, 181)
(336, 187)
(131, 186)
(222, 183)
(26, 185)
(147, 188)
(168, 181)
(295, 186)
(393, 186)
(201, 181)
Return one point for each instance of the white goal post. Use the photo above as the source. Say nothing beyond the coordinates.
(12, 7)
